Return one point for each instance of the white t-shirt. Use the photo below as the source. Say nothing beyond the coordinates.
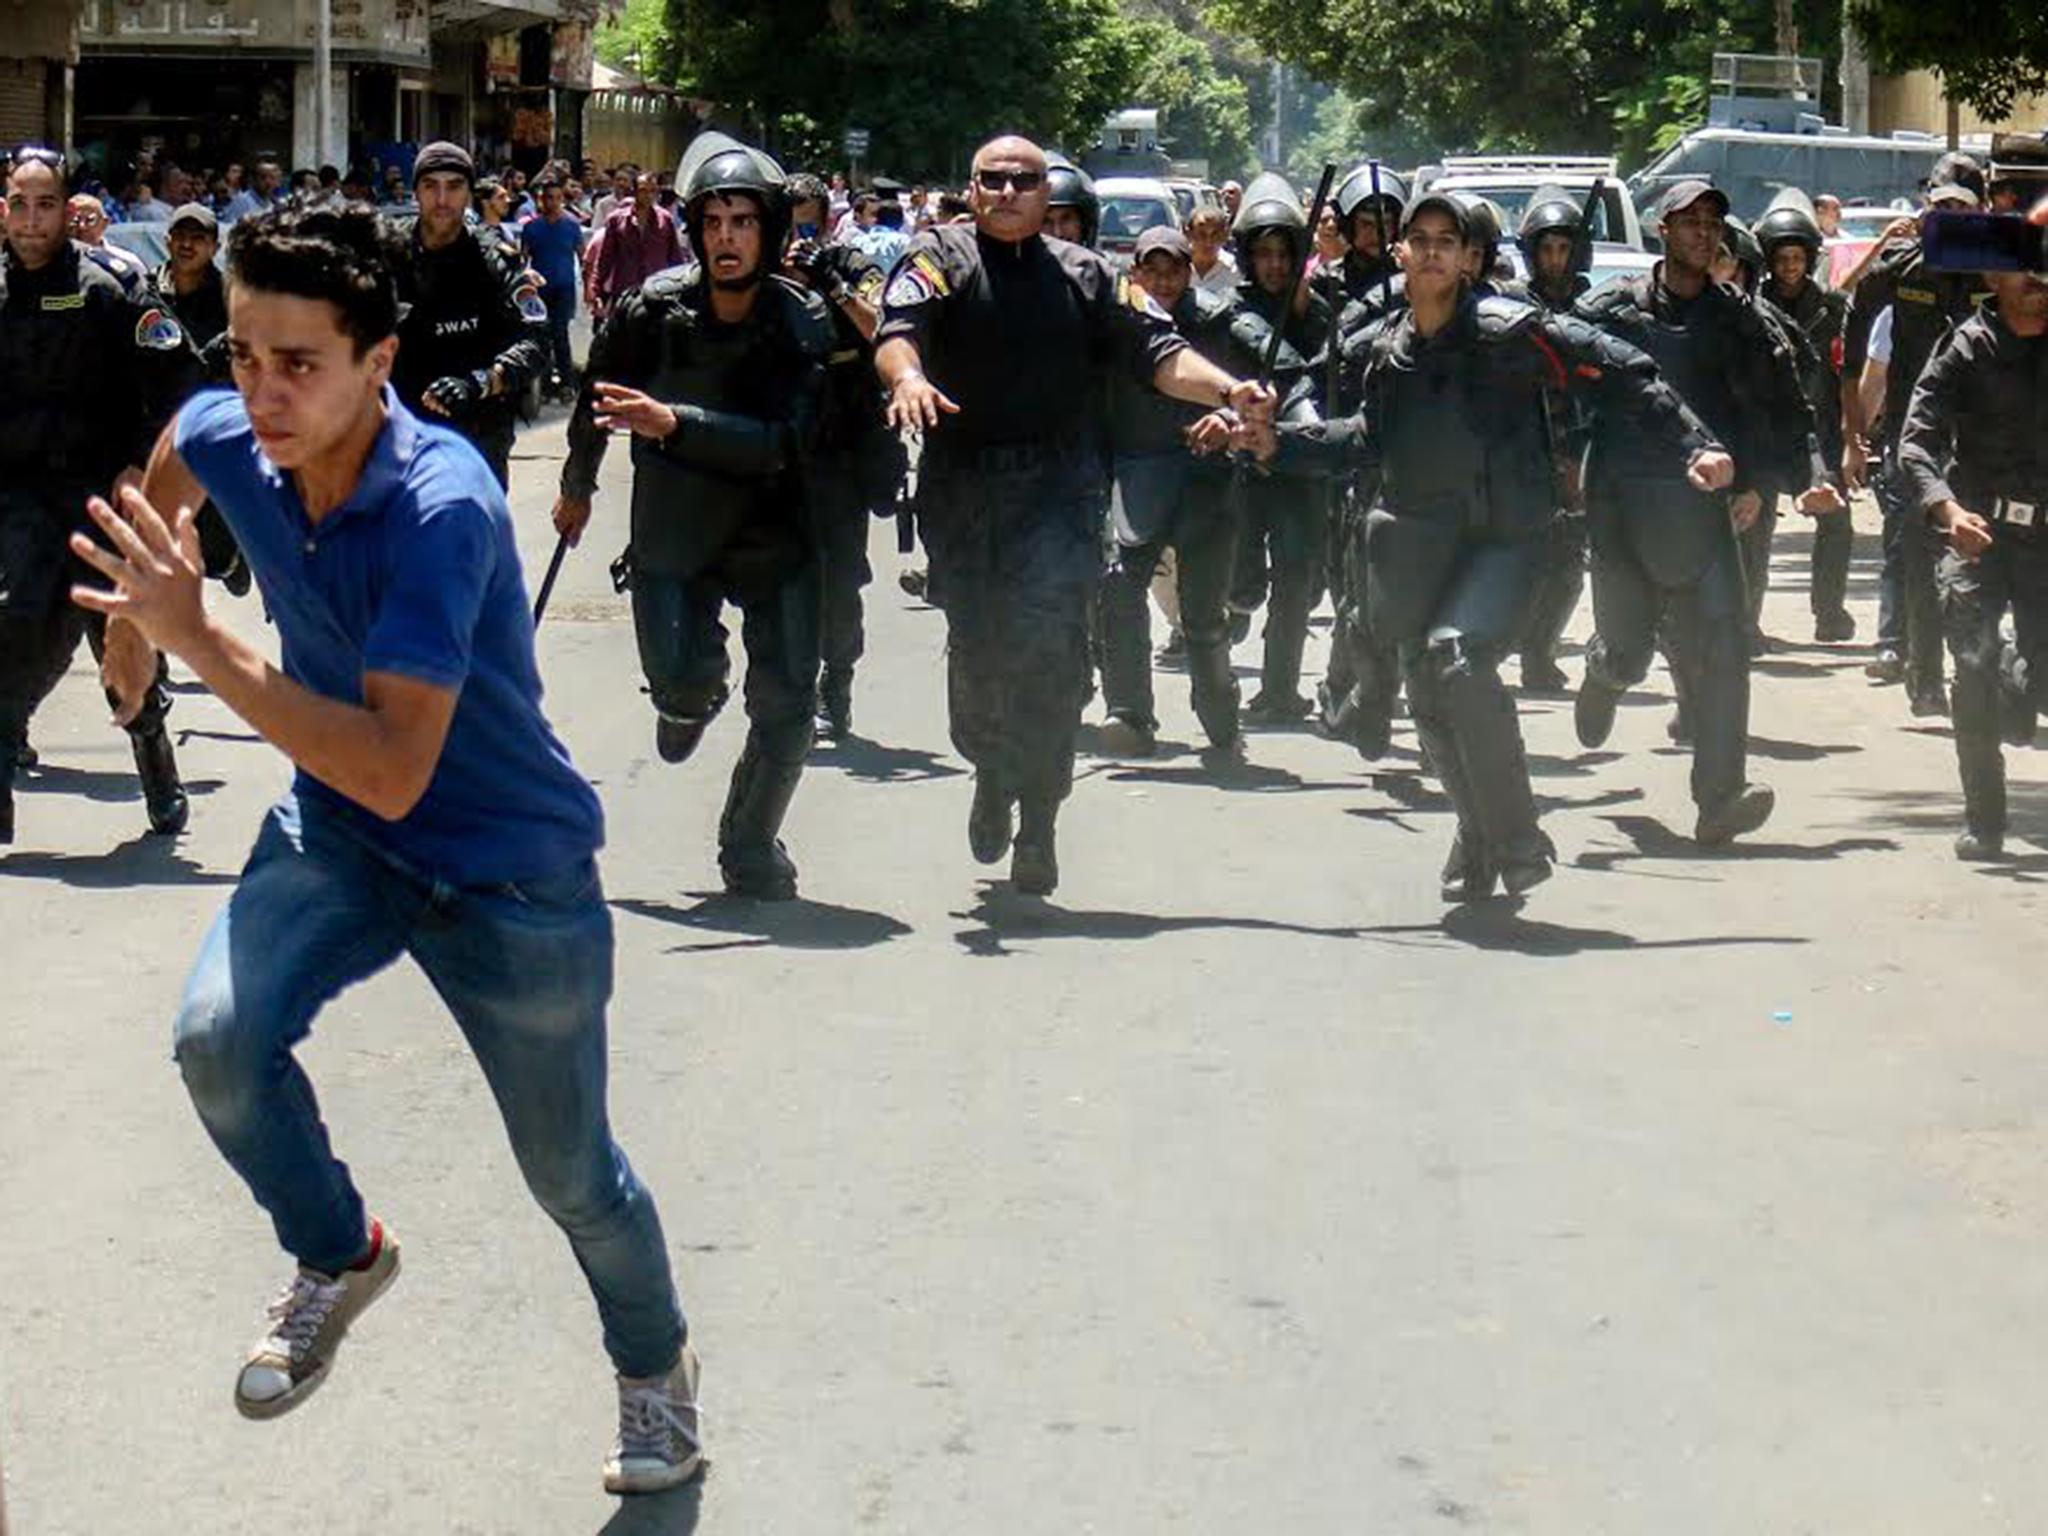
(1221, 278)
(1880, 348)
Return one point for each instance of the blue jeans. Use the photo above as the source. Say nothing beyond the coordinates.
(526, 969)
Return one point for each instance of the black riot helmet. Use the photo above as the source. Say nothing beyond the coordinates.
(1068, 186)
(1484, 228)
(718, 166)
(1354, 195)
(1269, 203)
(1749, 254)
(1790, 219)
(1553, 211)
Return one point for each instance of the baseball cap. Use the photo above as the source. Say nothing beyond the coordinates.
(195, 213)
(1162, 237)
(1437, 202)
(1952, 192)
(1686, 193)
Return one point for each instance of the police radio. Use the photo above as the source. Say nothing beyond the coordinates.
(1981, 242)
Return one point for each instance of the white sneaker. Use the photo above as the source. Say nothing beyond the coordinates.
(658, 1445)
(308, 1321)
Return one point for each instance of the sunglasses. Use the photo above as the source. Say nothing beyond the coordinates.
(1020, 181)
(35, 154)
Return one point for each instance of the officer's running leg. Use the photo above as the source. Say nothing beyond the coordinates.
(843, 545)
(39, 628)
(683, 654)
(1560, 583)
(1922, 548)
(1295, 518)
(1756, 542)
(1709, 639)
(1124, 631)
(1834, 543)
(1889, 664)
(1475, 622)
(1206, 543)
(1974, 597)
(780, 633)
(1625, 608)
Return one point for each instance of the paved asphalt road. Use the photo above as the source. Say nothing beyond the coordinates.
(1239, 1188)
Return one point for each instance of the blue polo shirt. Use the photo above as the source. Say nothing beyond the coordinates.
(416, 574)
(553, 246)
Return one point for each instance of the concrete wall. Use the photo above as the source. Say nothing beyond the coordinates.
(1915, 102)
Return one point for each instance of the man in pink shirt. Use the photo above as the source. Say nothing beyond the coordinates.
(640, 239)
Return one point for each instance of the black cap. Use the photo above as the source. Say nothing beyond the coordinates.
(1162, 237)
(443, 156)
(195, 213)
(1437, 202)
(885, 186)
(1686, 193)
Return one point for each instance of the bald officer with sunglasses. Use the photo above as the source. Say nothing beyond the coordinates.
(995, 342)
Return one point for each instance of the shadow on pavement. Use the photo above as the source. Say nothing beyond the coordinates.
(195, 733)
(1654, 840)
(1237, 777)
(1779, 665)
(106, 786)
(1499, 925)
(787, 924)
(144, 859)
(674, 1513)
(873, 763)
(1795, 751)
(1004, 914)
(1543, 765)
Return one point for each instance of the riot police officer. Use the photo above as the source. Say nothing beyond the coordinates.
(1074, 210)
(1665, 550)
(1790, 238)
(1557, 247)
(1281, 546)
(1368, 202)
(1457, 393)
(1169, 497)
(717, 370)
(88, 374)
(1925, 305)
(994, 343)
(474, 328)
(1974, 461)
(856, 464)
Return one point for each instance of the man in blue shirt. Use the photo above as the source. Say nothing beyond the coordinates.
(553, 240)
(434, 812)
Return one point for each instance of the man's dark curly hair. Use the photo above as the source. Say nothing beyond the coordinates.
(343, 255)
(806, 188)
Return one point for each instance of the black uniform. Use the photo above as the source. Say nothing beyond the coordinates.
(1281, 550)
(1822, 316)
(1925, 306)
(1020, 337)
(1665, 551)
(1561, 568)
(1790, 340)
(88, 375)
(467, 310)
(1977, 433)
(720, 515)
(1457, 428)
(855, 470)
(1170, 498)
(204, 315)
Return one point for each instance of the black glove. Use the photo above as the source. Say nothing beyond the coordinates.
(460, 393)
(809, 261)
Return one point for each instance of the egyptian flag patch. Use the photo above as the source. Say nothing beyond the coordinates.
(918, 280)
(1137, 298)
(526, 298)
(156, 331)
(869, 288)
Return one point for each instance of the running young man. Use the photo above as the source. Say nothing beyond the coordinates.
(434, 813)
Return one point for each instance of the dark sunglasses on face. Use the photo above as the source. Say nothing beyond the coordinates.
(1021, 181)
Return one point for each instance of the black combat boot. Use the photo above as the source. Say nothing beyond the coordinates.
(162, 791)
(1468, 874)
(1034, 862)
(1212, 686)
(1541, 675)
(676, 736)
(751, 857)
(1743, 811)
(835, 703)
(1593, 711)
(988, 821)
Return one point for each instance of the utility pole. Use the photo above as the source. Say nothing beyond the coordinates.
(323, 78)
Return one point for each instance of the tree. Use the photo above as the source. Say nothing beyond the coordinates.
(1988, 56)
(1205, 113)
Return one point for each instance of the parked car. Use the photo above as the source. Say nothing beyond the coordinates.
(1190, 195)
(1130, 206)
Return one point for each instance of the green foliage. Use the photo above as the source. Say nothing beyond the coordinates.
(1557, 76)
(1988, 56)
(637, 38)
(1205, 113)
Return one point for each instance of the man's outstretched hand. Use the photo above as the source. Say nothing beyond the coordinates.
(158, 581)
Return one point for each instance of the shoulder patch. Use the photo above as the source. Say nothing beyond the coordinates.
(869, 285)
(1132, 296)
(156, 331)
(57, 301)
(526, 298)
(918, 280)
